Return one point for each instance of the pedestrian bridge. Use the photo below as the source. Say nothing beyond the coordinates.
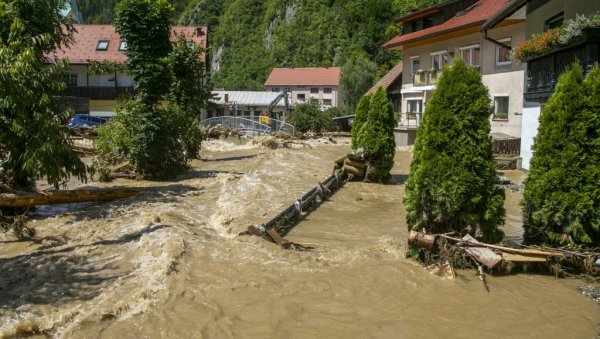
(251, 125)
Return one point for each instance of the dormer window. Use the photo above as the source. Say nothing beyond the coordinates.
(123, 45)
(190, 44)
(102, 45)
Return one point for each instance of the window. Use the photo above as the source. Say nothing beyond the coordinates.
(502, 53)
(275, 89)
(555, 21)
(427, 22)
(415, 65)
(471, 55)
(500, 107)
(327, 102)
(414, 106)
(439, 60)
(70, 79)
(123, 45)
(314, 90)
(327, 90)
(300, 97)
(102, 45)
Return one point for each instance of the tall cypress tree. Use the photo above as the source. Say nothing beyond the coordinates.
(562, 195)
(452, 184)
(376, 137)
(360, 116)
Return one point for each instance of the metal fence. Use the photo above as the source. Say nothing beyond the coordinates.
(410, 120)
(252, 125)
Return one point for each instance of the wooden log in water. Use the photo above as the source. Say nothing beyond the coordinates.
(73, 196)
(355, 163)
(421, 240)
(354, 171)
(340, 161)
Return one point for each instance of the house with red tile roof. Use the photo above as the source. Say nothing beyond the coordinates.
(320, 84)
(434, 37)
(102, 43)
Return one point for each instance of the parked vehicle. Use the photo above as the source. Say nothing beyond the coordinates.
(86, 120)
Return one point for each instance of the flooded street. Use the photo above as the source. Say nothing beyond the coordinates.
(169, 263)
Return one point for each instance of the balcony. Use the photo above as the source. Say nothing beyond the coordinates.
(409, 120)
(426, 78)
(543, 71)
(98, 93)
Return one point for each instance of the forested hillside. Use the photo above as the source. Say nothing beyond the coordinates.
(247, 38)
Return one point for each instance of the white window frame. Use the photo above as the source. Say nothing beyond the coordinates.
(123, 45)
(496, 112)
(470, 48)
(412, 65)
(420, 106)
(102, 45)
(498, 62)
(70, 79)
(438, 55)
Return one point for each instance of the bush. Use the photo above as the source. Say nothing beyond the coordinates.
(561, 202)
(308, 117)
(360, 116)
(452, 184)
(333, 112)
(376, 137)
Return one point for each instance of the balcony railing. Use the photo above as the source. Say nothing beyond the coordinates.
(426, 78)
(99, 92)
(410, 120)
(543, 71)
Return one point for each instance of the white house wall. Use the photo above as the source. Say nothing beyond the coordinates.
(334, 96)
(531, 117)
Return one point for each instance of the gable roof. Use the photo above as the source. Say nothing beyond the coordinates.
(475, 15)
(387, 80)
(304, 76)
(86, 38)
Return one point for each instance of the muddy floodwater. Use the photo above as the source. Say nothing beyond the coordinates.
(169, 264)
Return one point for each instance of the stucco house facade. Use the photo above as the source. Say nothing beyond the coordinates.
(318, 84)
(98, 93)
(542, 72)
(436, 36)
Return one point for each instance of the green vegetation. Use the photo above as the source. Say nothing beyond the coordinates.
(452, 184)
(561, 203)
(33, 142)
(375, 137)
(361, 113)
(156, 139)
(308, 117)
(35, 145)
(358, 76)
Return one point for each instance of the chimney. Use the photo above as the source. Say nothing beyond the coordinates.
(226, 97)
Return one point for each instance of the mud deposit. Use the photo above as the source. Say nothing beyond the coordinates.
(169, 264)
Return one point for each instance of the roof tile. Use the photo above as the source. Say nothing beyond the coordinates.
(304, 76)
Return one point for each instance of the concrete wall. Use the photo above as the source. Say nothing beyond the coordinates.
(334, 96)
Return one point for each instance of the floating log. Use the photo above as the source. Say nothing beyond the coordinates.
(355, 163)
(354, 171)
(421, 240)
(340, 161)
(522, 258)
(532, 252)
(73, 196)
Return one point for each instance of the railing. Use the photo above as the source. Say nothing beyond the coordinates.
(410, 120)
(252, 125)
(543, 71)
(98, 92)
(426, 78)
(506, 146)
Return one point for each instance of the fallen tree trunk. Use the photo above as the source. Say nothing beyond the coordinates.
(73, 196)
(506, 249)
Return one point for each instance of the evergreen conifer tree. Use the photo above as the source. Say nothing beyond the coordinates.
(562, 195)
(452, 184)
(376, 137)
(360, 116)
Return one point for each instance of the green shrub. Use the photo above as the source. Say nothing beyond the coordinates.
(452, 184)
(562, 195)
(376, 137)
(361, 112)
(308, 117)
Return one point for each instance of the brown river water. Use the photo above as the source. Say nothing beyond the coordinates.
(169, 264)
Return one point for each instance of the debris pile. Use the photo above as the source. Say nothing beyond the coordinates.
(466, 252)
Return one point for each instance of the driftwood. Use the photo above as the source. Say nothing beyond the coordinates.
(523, 251)
(354, 171)
(421, 240)
(73, 196)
